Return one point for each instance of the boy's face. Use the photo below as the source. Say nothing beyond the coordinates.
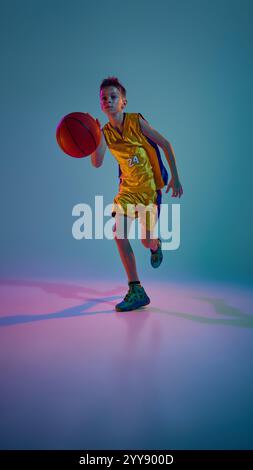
(111, 100)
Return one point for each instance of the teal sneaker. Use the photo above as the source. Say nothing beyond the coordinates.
(135, 298)
(157, 256)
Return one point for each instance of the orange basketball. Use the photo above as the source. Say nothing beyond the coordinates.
(78, 134)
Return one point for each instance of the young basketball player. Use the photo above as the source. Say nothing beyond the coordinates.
(134, 144)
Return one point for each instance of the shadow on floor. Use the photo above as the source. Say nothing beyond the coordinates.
(232, 316)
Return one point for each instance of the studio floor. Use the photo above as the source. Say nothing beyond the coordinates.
(75, 374)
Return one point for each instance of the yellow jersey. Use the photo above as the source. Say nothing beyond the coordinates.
(139, 159)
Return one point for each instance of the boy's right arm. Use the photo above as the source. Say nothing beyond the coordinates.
(97, 157)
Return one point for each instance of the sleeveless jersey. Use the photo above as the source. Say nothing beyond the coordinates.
(139, 159)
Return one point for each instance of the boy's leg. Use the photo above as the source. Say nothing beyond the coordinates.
(136, 296)
(147, 223)
(154, 244)
(122, 228)
(148, 241)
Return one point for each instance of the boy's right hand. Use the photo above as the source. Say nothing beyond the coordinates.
(176, 187)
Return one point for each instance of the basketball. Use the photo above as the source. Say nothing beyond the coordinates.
(78, 134)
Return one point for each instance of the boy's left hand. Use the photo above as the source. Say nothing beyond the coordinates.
(176, 187)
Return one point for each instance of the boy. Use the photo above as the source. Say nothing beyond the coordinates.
(133, 142)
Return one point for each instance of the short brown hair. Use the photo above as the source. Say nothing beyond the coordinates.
(113, 81)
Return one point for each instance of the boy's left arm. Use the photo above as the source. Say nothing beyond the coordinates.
(152, 134)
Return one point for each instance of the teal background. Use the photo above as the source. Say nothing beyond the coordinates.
(187, 67)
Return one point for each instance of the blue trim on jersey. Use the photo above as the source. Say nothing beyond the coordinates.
(159, 200)
(163, 170)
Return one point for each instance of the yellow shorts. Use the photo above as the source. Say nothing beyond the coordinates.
(145, 205)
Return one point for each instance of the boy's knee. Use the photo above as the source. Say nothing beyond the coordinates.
(118, 236)
(120, 232)
(120, 239)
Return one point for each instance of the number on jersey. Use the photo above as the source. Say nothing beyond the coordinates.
(133, 161)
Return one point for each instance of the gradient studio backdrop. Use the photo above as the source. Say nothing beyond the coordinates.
(187, 67)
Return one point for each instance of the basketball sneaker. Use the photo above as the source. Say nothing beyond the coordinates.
(157, 256)
(135, 298)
